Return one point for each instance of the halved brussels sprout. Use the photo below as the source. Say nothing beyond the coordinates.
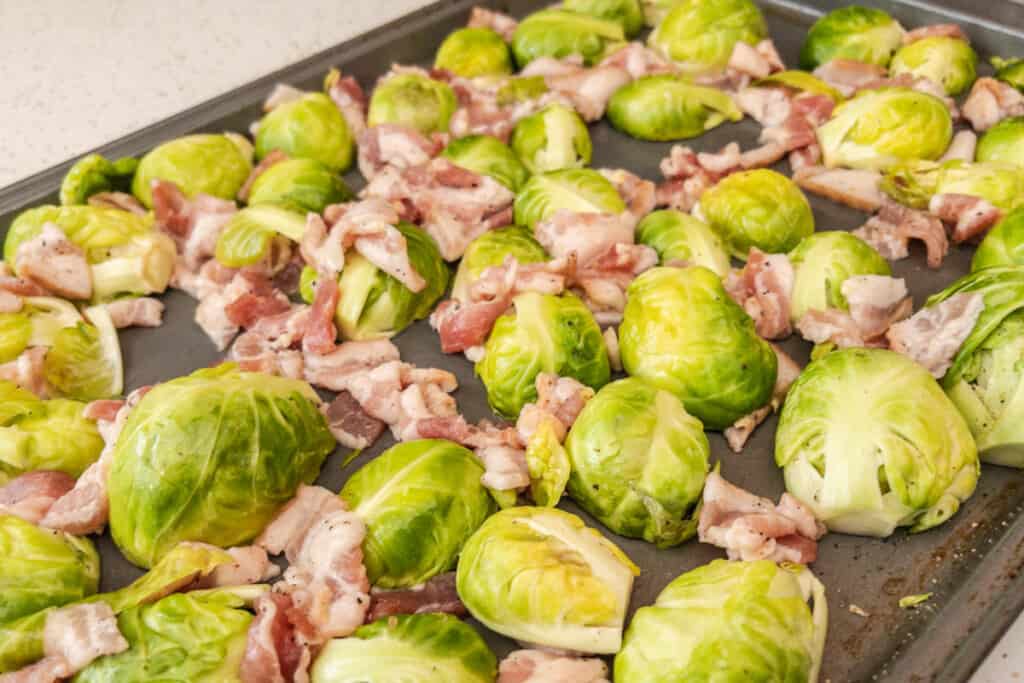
(413, 100)
(212, 164)
(638, 462)
(548, 464)
(680, 237)
(882, 127)
(869, 442)
(95, 173)
(420, 500)
(311, 127)
(212, 457)
(915, 183)
(729, 621)
(1010, 71)
(864, 34)
(250, 233)
(84, 362)
(681, 332)
(700, 36)
(37, 324)
(801, 81)
(490, 156)
(472, 52)
(540, 576)
(552, 139)
(759, 208)
(626, 13)
(300, 185)
(15, 335)
(544, 333)
(667, 107)
(823, 262)
(1003, 142)
(490, 249)
(425, 648)
(1003, 245)
(950, 62)
(560, 33)
(582, 190)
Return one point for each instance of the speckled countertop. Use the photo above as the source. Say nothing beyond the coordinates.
(79, 74)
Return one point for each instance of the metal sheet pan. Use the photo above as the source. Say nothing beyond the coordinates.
(973, 563)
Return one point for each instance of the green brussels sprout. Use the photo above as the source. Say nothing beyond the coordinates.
(759, 208)
(212, 164)
(1010, 71)
(415, 101)
(472, 52)
(638, 462)
(300, 185)
(1003, 142)
(626, 13)
(914, 184)
(950, 62)
(84, 362)
(823, 262)
(880, 128)
(682, 333)
(311, 127)
(1003, 245)
(552, 139)
(667, 107)
(420, 500)
(548, 464)
(700, 36)
(680, 237)
(15, 335)
(93, 174)
(250, 233)
(37, 324)
(539, 575)
(729, 621)
(415, 648)
(864, 34)
(212, 457)
(582, 190)
(869, 442)
(801, 81)
(545, 333)
(489, 250)
(559, 33)
(42, 568)
(489, 156)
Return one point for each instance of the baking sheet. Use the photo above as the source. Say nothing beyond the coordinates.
(973, 563)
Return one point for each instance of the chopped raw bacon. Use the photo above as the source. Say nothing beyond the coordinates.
(340, 368)
(437, 595)
(18, 286)
(320, 333)
(455, 428)
(269, 345)
(463, 326)
(538, 666)
(505, 468)
(103, 410)
(589, 89)
(587, 235)
(639, 60)
(934, 335)
(611, 342)
(749, 62)
(32, 494)
(249, 565)
(350, 424)
(117, 200)
(562, 398)
(246, 299)
(28, 371)
(637, 192)
(891, 229)
(990, 101)
(274, 157)
(752, 528)
(852, 187)
(766, 105)
(970, 216)
(737, 434)
(941, 30)
(350, 99)
(140, 311)
(805, 157)
(962, 146)
(195, 224)
(276, 651)
(602, 282)
(764, 289)
(55, 263)
(9, 303)
(281, 94)
(876, 302)
(502, 24)
(396, 146)
(848, 75)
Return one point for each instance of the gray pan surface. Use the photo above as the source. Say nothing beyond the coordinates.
(973, 564)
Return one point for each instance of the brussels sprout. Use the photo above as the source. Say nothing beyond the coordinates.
(552, 139)
(250, 233)
(93, 174)
(413, 100)
(801, 81)
(1010, 71)
(490, 156)
(950, 62)
(84, 362)
(823, 262)
(1003, 142)
(212, 457)
(490, 249)
(217, 165)
(700, 36)
(560, 33)
(1003, 245)
(420, 500)
(864, 34)
(15, 334)
(759, 208)
(882, 127)
(416, 648)
(869, 442)
(626, 13)
(472, 52)
(682, 332)
(915, 183)
(539, 575)
(548, 464)
(680, 237)
(582, 190)
(311, 127)
(300, 185)
(638, 462)
(668, 107)
(37, 324)
(544, 333)
(729, 621)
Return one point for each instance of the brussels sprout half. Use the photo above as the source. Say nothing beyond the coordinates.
(915, 183)
(217, 165)
(489, 156)
(1010, 71)
(801, 81)
(552, 139)
(950, 62)
(869, 442)
(301, 185)
(472, 52)
(490, 249)
(668, 107)
(823, 262)
(413, 100)
(681, 238)
(311, 127)
(560, 33)
(574, 189)
(84, 362)
(93, 174)
(626, 13)
(864, 34)
(1003, 245)
(1003, 142)
(250, 233)
(700, 36)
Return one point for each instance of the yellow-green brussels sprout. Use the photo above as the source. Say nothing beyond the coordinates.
(42, 568)
(950, 62)
(823, 262)
(801, 81)
(490, 249)
(552, 139)
(915, 183)
(869, 442)
(668, 107)
(539, 575)
(545, 333)
(212, 457)
(216, 165)
(415, 101)
(700, 36)
(864, 34)
(883, 127)
(311, 127)
(420, 500)
(249, 234)
(626, 13)
(1003, 245)
(559, 33)
(681, 332)
(1003, 142)
(472, 52)
(638, 462)
(1010, 71)
(582, 190)
(300, 185)
(759, 208)
(680, 237)
(548, 464)
(95, 173)
(729, 621)
(420, 648)
(490, 156)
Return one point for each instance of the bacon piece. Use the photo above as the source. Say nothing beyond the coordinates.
(538, 666)
(267, 346)
(437, 595)
(463, 326)
(350, 424)
(755, 62)
(962, 146)
(637, 192)
(970, 216)
(737, 434)
(367, 226)
(31, 495)
(849, 75)
(396, 146)
(589, 89)
(764, 289)
(249, 565)
(505, 468)
(338, 369)
(602, 282)
(350, 99)
(585, 235)
(9, 284)
(875, 303)
(852, 187)
(934, 335)
(639, 60)
(117, 200)
(281, 94)
(9, 303)
(320, 334)
(274, 157)
(246, 299)
(768, 106)
(502, 24)
(103, 410)
(140, 311)
(275, 651)
(990, 101)
(562, 398)
(195, 224)
(940, 30)
(611, 342)
(892, 228)
(55, 263)
(28, 371)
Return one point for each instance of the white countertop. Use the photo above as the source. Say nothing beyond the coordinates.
(79, 74)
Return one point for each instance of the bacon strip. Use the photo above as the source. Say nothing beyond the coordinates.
(32, 494)
(502, 24)
(55, 263)
(934, 335)
(970, 216)
(764, 288)
(140, 311)
(892, 228)
(990, 101)
(436, 595)
(538, 666)
(194, 224)
(352, 426)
